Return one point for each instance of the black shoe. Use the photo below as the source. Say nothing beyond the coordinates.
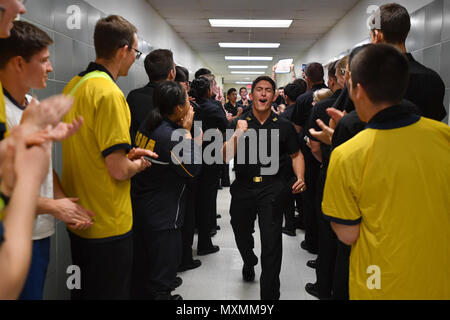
(311, 288)
(299, 224)
(218, 216)
(176, 297)
(167, 296)
(213, 232)
(307, 248)
(288, 232)
(204, 252)
(312, 264)
(193, 265)
(248, 273)
(217, 228)
(176, 283)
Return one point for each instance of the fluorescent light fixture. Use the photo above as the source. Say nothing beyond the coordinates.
(248, 67)
(247, 72)
(246, 23)
(243, 82)
(248, 45)
(238, 58)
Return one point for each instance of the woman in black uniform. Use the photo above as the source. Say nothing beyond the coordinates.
(212, 117)
(159, 193)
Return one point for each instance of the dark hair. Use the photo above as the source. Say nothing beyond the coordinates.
(158, 64)
(395, 23)
(332, 70)
(383, 71)
(25, 41)
(314, 72)
(167, 96)
(301, 84)
(182, 74)
(112, 33)
(355, 52)
(293, 91)
(242, 88)
(230, 91)
(199, 88)
(264, 78)
(202, 72)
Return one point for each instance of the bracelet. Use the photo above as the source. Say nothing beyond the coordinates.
(5, 198)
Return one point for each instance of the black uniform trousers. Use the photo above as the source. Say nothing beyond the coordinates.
(341, 272)
(188, 228)
(206, 205)
(248, 201)
(105, 267)
(156, 260)
(312, 167)
(327, 244)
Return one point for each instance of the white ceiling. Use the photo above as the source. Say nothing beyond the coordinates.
(189, 18)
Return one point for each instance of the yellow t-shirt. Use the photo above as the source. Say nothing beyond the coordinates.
(396, 184)
(85, 176)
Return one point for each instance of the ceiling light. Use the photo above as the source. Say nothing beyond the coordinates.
(243, 82)
(248, 45)
(243, 23)
(247, 72)
(231, 58)
(248, 67)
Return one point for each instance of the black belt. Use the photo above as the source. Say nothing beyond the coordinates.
(258, 180)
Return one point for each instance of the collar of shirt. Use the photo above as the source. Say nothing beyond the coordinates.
(14, 101)
(152, 85)
(273, 117)
(394, 117)
(171, 123)
(93, 66)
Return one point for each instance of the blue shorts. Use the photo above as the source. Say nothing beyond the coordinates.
(34, 286)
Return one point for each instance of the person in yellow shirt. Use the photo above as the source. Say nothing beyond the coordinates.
(98, 164)
(387, 189)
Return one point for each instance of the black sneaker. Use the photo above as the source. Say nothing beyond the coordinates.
(312, 264)
(204, 252)
(311, 288)
(176, 283)
(288, 232)
(248, 273)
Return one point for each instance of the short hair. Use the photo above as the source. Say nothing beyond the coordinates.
(314, 72)
(322, 94)
(158, 64)
(383, 71)
(230, 91)
(332, 70)
(301, 83)
(25, 41)
(264, 78)
(293, 91)
(242, 88)
(395, 23)
(182, 74)
(202, 72)
(112, 33)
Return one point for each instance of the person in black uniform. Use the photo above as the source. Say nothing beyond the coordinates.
(291, 92)
(212, 116)
(426, 88)
(159, 193)
(257, 191)
(314, 77)
(245, 103)
(325, 262)
(188, 229)
(160, 67)
(231, 106)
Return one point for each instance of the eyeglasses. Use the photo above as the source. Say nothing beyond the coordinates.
(138, 53)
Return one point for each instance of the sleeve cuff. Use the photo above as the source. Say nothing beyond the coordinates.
(123, 146)
(342, 221)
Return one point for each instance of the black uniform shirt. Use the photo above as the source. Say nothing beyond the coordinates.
(231, 109)
(140, 102)
(159, 193)
(287, 140)
(348, 127)
(426, 90)
(288, 114)
(303, 105)
(212, 116)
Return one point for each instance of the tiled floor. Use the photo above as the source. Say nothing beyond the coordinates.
(220, 278)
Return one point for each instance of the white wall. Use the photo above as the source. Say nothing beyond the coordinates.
(152, 28)
(348, 32)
